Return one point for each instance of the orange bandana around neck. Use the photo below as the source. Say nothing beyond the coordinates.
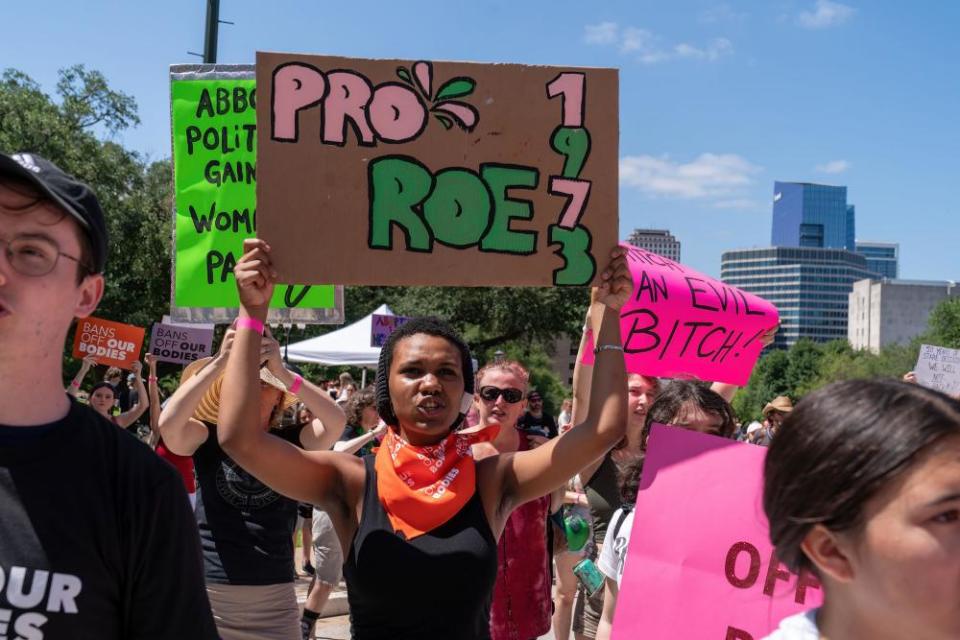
(423, 487)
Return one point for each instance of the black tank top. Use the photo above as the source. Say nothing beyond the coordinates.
(603, 497)
(435, 586)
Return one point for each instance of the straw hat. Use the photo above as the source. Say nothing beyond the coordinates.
(209, 405)
(780, 403)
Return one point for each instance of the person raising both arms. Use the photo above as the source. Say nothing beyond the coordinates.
(246, 528)
(103, 398)
(420, 540)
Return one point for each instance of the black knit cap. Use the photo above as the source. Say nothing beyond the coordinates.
(68, 193)
(432, 327)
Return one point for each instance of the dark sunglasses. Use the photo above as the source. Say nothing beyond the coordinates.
(510, 395)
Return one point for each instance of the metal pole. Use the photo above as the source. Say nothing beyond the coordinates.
(210, 37)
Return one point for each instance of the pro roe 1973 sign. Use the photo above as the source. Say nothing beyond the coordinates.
(395, 172)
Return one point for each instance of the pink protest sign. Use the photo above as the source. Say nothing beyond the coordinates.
(681, 323)
(700, 563)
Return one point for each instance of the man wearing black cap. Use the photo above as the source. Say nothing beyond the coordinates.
(536, 422)
(96, 535)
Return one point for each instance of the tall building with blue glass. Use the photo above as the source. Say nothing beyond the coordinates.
(809, 270)
(883, 258)
(812, 215)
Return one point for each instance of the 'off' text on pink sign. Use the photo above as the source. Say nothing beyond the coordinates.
(700, 563)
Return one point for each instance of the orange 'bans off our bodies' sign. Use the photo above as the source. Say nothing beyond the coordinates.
(391, 172)
(112, 343)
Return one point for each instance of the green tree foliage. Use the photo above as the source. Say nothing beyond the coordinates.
(76, 132)
(490, 318)
(807, 366)
(944, 324)
(768, 380)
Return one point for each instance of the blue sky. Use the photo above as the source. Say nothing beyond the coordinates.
(718, 99)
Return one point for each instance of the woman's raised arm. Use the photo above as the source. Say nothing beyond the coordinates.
(308, 476)
(130, 416)
(530, 474)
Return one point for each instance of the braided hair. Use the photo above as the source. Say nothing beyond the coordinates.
(432, 327)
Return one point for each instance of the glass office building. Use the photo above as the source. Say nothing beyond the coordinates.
(812, 215)
(883, 258)
(810, 287)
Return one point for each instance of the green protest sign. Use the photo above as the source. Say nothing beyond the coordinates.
(214, 157)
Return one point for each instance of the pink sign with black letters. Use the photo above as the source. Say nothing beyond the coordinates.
(700, 563)
(681, 323)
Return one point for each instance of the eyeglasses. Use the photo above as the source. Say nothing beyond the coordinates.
(510, 394)
(534, 398)
(34, 256)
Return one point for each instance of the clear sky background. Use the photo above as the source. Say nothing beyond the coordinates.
(717, 99)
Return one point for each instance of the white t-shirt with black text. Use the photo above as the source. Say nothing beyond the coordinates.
(613, 556)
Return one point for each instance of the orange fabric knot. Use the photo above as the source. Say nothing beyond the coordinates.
(423, 487)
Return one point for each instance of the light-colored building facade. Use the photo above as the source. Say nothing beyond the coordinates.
(658, 241)
(885, 312)
(564, 358)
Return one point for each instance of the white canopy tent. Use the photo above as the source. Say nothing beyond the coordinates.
(349, 346)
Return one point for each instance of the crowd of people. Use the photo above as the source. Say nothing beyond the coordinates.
(452, 504)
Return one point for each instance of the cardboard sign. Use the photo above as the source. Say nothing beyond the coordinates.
(180, 344)
(681, 323)
(112, 343)
(395, 172)
(381, 326)
(213, 115)
(700, 563)
(939, 368)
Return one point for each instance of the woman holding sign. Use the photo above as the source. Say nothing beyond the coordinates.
(862, 487)
(420, 539)
(103, 396)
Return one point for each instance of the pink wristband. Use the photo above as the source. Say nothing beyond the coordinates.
(250, 323)
(74, 383)
(151, 378)
(297, 383)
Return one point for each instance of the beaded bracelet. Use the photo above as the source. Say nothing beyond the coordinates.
(608, 347)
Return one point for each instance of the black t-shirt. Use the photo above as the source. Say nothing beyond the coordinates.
(545, 425)
(97, 541)
(246, 528)
(122, 392)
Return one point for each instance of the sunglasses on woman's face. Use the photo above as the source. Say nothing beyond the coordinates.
(510, 394)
